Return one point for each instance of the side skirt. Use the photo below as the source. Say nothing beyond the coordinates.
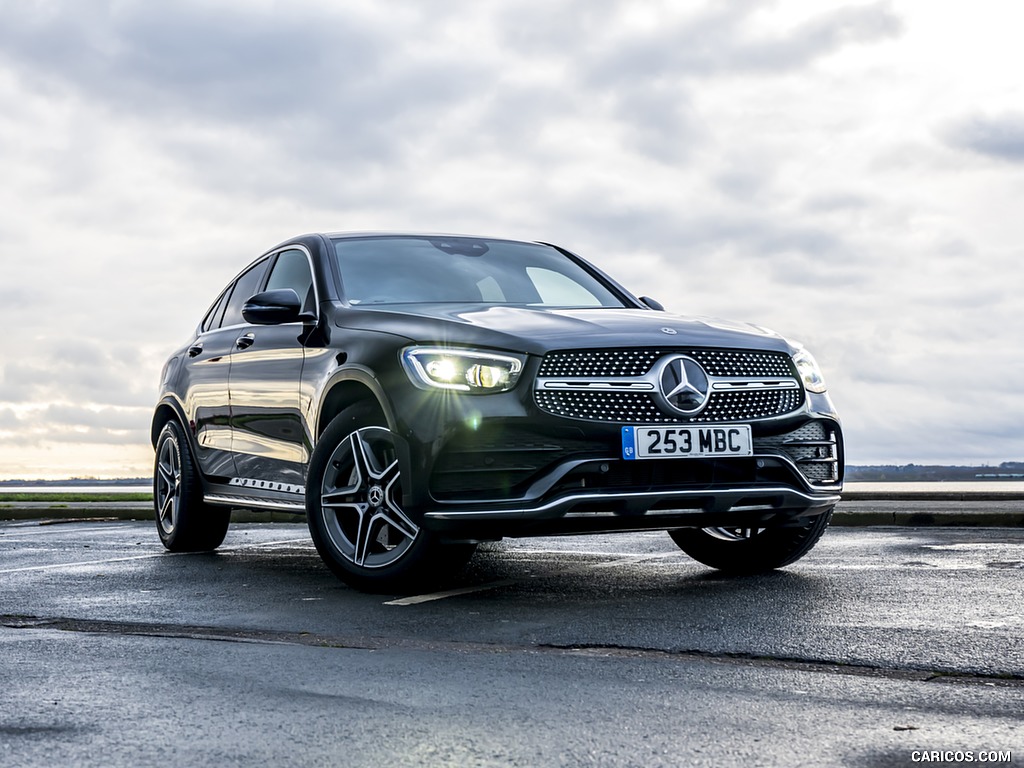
(244, 496)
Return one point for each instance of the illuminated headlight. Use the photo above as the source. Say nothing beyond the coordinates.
(461, 370)
(810, 373)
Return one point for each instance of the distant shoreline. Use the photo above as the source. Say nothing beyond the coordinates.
(907, 473)
(76, 481)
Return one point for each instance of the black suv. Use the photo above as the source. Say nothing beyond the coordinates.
(415, 394)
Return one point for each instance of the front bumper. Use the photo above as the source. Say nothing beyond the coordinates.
(498, 466)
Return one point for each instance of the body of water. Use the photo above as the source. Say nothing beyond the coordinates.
(952, 486)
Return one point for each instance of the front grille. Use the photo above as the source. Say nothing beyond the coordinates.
(628, 407)
(599, 362)
(620, 367)
(744, 406)
(732, 363)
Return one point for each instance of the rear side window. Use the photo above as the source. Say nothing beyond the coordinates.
(212, 319)
(246, 286)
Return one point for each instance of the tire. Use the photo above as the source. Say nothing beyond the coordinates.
(185, 523)
(355, 514)
(742, 551)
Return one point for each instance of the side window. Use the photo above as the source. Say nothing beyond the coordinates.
(557, 290)
(291, 270)
(212, 319)
(246, 286)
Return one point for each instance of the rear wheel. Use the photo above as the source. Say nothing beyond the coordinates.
(355, 512)
(750, 550)
(183, 520)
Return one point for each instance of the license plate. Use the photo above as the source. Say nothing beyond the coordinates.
(685, 442)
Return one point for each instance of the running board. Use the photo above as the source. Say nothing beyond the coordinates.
(253, 502)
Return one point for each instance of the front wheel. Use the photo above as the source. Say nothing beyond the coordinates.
(355, 512)
(750, 550)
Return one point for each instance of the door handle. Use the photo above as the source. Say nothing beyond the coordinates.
(195, 349)
(245, 341)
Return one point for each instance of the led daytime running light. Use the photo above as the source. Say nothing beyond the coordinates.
(466, 371)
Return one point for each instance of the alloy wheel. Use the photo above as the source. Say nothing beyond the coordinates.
(360, 500)
(168, 485)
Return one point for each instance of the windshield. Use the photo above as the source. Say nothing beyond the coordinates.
(404, 270)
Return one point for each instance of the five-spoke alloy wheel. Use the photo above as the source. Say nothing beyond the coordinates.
(360, 501)
(355, 513)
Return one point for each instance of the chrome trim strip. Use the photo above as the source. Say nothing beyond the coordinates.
(616, 385)
(649, 383)
(720, 502)
(735, 382)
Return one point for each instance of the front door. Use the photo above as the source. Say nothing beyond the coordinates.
(268, 440)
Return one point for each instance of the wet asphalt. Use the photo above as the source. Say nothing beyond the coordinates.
(600, 650)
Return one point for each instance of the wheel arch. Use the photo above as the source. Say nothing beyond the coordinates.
(347, 387)
(167, 410)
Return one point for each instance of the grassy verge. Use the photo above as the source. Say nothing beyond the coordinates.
(74, 497)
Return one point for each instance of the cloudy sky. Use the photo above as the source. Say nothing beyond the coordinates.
(849, 174)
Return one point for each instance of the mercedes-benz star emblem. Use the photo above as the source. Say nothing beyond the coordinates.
(684, 384)
(375, 496)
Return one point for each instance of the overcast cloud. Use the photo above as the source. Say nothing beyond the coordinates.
(849, 174)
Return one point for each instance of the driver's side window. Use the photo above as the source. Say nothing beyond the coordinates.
(247, 285)
(291, 270)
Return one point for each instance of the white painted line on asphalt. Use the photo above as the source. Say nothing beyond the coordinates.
(631, 559)
(282, 542)
(417, 599)
(38, 532)
(58, 566)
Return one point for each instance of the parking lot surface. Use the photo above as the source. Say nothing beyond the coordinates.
(601, 650)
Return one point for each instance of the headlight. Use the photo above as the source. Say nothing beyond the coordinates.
(462, 370)
(809, 371)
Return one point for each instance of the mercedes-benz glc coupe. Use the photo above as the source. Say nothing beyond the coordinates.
(416, 394)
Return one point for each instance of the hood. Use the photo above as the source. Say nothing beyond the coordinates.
(537, 331)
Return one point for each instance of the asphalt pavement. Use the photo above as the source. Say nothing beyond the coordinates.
(881, 645)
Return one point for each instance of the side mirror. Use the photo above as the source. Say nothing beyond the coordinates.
(275, 307)
(652, 303)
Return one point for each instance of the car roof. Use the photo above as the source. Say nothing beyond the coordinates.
(397, 233)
